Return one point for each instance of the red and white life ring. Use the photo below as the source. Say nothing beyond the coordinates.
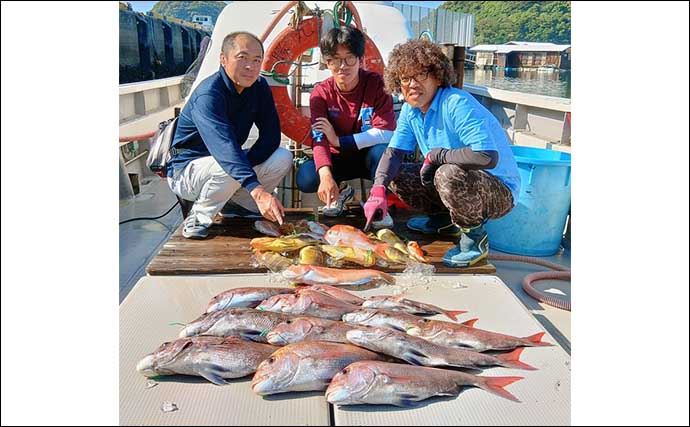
(288, 46)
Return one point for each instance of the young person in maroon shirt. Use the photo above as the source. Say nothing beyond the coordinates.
(355, 117)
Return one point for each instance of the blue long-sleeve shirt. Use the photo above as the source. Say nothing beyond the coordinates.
(216, 122)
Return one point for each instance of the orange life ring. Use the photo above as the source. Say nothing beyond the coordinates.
(288, 46)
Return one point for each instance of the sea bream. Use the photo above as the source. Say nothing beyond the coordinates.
(244, 297)
(402, 303)
(247, 323)
(309, 303)
(380, 383)
(213, 358)
(333, 291)
(419, 351)
(314, 275)
(309, 329)
(305, 366)
(458, 335)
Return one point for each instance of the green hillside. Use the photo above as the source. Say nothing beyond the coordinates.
(186, 9)
(498, 22)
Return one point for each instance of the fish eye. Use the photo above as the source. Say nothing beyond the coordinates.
(271, 360)
(288, 321)
(344, 371)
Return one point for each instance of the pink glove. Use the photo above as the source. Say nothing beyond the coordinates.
(375, 204)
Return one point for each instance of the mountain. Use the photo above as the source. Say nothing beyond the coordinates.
(498, 22)
(186, 9)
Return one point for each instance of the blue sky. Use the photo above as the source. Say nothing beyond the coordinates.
(145, 6)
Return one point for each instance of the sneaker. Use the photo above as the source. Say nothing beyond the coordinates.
(193, 229)
(472, 247)
(336, 208)
(233, 210)
(386, 222)
(435, 224)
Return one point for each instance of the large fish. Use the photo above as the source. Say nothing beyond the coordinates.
(213, 358)
(333, 291)
(346, 235)
(282, 244)
(268, 228)
(419, 351)
(244, 297)
(458, 335)
(391, 238)
(382, 319)
(317, 227)
(363, 257)
(309, 303)
(309, 329)
(401, 303)
(314, 275)
(306, 366)
(273, 261)
(247, 323)
(381, 383)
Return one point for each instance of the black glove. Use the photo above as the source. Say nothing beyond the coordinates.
(463, 157)
(431, 163)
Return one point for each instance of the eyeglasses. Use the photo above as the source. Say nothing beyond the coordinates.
(405, 81)
(337, 62)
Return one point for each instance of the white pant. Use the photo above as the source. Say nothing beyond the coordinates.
(206, 183)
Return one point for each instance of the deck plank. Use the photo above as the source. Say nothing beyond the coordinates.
(227, 251)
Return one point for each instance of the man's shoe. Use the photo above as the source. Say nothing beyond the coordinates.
(193, 229)
(386, 222)
(233, 210)
(337, 207)
(472, 247)
(434, 224)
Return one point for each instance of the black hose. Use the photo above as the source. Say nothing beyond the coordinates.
(150, 218)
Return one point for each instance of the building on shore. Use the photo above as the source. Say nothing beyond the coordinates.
(525, 55)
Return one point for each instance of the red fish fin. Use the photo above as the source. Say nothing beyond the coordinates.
(495, 385)
(470, 323)
(512, 360)
(453, 314)
(536, 341)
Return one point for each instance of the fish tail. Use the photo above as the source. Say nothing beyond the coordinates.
(512, 360)
(495, 385)
(453, 314)
(535, 340)
(470, 323)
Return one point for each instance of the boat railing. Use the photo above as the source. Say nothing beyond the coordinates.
(529, 119)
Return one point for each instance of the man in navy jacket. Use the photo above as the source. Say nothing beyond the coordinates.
(208, 164)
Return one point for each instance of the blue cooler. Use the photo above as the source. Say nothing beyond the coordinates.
(535, 226)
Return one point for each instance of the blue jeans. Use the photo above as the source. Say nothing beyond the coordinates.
(360, 164)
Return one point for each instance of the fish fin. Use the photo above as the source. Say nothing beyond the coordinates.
(415, 357)
(453, 314)
(512, 360)
(252, 336)
(213, 376)
(470, 323)
(535, 340)
(495, 385)
(404, 402)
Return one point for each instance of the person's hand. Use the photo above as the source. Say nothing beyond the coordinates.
(323, 125)
(376, 206)
(269, 206)
(328, 188)
(429, 167)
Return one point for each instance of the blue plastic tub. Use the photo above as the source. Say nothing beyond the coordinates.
(535, 226)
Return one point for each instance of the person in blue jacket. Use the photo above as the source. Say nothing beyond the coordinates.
(468, 175)
(208, 164)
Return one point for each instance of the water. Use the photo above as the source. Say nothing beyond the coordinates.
(549, 82)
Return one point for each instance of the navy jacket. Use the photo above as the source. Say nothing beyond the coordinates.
(216, 122)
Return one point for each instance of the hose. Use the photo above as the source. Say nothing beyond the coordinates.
(561, 273)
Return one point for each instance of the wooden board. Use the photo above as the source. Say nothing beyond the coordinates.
(227, 251)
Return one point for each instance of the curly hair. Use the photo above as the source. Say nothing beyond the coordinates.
(414, 57)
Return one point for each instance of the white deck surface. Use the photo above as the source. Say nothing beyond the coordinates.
(155, 302)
